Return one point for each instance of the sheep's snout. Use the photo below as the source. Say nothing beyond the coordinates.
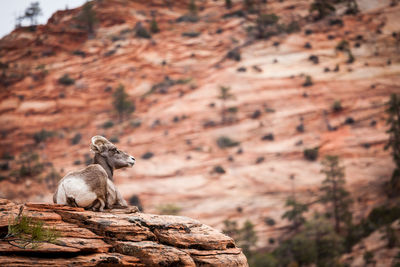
(131, 161)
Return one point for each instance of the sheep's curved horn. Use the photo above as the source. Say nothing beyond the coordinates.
(97, 143)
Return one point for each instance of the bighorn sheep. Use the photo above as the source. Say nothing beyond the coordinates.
(93, 186)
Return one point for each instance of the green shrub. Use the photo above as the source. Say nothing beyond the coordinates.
(87, 18)
(232, 110)
(76, 139)
(267, 19)
(163, 86)
(136, 123)
(29, 231)
(192, 7)
(148, 155)
(234, 54)
(378, 217)
(79, 53)
(108, 124)
(384, 215)
(323, 8)
(311, 154)
(66, 80)
(29, 165)
(169, 209)
(308, 82)
(188, 18)
(42, 135)
(154, 26)
(7, 156)
(245, 237)
(121, 103)
(343, 45)
(225, 142)
(368, 257)
(191, 34)
(337, 106)
(263, 260)
(219, 169)
(269, 221)
(228, 4)
(142, 32)
(292, 27)
(114, 139)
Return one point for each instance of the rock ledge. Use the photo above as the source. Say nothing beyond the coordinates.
(123, 237)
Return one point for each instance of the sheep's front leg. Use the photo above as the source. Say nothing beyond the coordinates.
(102, 204)
(120, 200)
(94, 206)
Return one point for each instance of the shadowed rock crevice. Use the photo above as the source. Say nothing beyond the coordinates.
(117, 238)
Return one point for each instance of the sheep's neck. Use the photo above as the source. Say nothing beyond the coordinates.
(102, 161)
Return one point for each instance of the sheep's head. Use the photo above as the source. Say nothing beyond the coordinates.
(115, 158)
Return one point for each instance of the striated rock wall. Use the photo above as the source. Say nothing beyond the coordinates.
(180, 124)
(117, 237)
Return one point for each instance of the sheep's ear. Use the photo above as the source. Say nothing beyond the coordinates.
(94, 148)
(98, 143)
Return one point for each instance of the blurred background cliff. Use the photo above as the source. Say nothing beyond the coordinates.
(231, 108)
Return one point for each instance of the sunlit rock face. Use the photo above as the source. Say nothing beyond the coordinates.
(174, 80)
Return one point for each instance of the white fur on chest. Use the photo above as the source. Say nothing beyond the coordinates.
(76, 188)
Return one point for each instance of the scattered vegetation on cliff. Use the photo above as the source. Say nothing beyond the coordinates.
(87, 18)
(169, 209)
(43, 135)
(311, 154)
(26, 232)
(334, 193)
(31, 13)
(226, 142)
(122, 104)
(322, 7)
(393, 143)
(224, 95)
(66, 80)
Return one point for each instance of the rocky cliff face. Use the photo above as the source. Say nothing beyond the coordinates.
(174, 78)
(116, 238)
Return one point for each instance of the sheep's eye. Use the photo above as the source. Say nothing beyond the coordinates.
(114, 150)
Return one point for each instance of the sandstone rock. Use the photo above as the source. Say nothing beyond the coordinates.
(115, 238)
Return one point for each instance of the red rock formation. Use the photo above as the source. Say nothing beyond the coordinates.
(173, 119)
(116, 238)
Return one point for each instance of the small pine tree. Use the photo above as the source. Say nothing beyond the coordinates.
(248, 238)
(192, 7)
(316, 245)
(334, 192)
(32, 12)
(228, 4)
(245, 237)
(231, 229)
(328, 244)
(248, 5)
(224, 94)
(352, 7)
(121, 103)
(154, 26)
(394, 139)
(295, 212)
(88, 17)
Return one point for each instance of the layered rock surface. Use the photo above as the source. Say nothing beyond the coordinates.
(116, 237)
(180, 124)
